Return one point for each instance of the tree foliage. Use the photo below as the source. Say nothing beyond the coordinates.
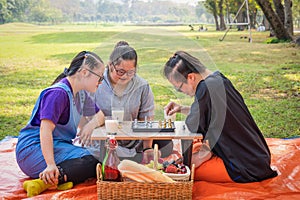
(281, 14)
(54, 11)
(28, 11)
(12, 10)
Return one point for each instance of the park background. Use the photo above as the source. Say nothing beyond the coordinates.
(38, 44)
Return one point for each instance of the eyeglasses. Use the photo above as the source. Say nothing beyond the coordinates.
(179, 88)
(121, 72)
(101, 78)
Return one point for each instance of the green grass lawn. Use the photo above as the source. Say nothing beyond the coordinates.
(267, 75)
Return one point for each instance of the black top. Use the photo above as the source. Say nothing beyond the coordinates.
(221, 115)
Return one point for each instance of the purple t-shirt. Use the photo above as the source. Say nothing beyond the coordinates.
(55, 106)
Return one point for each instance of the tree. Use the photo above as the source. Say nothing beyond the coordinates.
(4, 12)
(288, 20)
(221, 15)
(296, 13)
(40, 11)
(274, 20)
(13, 10)
(218, 7)
(211, 6)
(202, 14)
(279, 9)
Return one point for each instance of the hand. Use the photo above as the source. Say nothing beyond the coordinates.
(85, 135)
(201, 153)
(50, 175)
(172, 108)
(199, 146)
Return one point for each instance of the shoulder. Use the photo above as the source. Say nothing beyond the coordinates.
(212, 83)
(140, 84)
(139, 80)
(214, 78)
(56, 94)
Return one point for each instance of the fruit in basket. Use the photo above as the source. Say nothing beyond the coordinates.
(171, 169)
(151, 165)
(174, 167)
(183, 170)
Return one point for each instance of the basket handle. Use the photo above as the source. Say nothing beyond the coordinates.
(99, 172)
(192, 172)
(155, 157)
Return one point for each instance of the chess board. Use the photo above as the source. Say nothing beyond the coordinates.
(153, 126)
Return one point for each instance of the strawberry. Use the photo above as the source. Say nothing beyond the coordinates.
(171, 169)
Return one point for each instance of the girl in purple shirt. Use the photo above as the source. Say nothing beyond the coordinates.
(45, 150)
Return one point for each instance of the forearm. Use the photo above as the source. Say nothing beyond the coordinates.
(46, 138)
(83, 121)
(147, 144)
(97, 120)
(47, 149)
(185, 109)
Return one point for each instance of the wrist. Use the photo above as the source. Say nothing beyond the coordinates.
(180, 109)
(96, 121)
(184, 109)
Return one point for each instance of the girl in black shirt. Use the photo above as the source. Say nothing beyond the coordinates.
(219, 113)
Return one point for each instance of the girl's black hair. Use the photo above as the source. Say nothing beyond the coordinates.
(84, 57)
(123, 52)
(122, 43)
(182, 64)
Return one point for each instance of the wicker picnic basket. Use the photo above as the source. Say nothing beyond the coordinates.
(136, 190)
(144, 190)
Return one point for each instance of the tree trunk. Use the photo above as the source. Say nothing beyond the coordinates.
(216, 21)
(211, 5)
(221, 15)
(227, 11)
(266, 23)
(275, 22)
(279, 9)
(252, 18)
(240, 19)
(288, 22)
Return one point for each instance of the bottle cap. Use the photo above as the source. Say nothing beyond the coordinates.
(112, 142)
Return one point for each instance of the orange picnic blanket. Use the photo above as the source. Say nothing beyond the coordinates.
(285, 158)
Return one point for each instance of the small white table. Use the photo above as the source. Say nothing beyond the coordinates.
(125, 132)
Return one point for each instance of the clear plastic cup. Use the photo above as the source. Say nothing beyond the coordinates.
(117, 113)
(111, 125)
